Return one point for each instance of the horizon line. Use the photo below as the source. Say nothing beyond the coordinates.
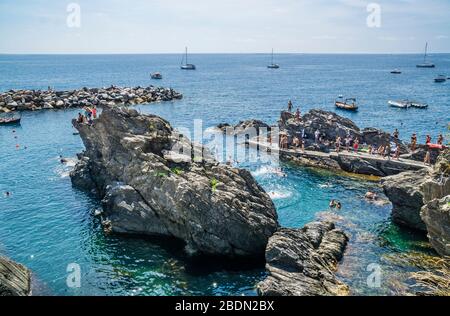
(224, 53)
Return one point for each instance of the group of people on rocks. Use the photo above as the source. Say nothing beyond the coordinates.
(89, 115)
(297, 115)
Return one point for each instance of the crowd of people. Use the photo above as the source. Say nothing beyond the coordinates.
(390, 149)
(90, 114)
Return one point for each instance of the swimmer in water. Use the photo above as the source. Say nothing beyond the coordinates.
(7, 193)
(332, 204)
(280, 172)
(338, 205)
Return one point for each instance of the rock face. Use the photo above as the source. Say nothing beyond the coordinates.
(22, 100)
(302, 261)
(148, 187)
(15, 279)
(436, 215)
(436, 211)
(248, 126)
(420, 200)
(403, 190)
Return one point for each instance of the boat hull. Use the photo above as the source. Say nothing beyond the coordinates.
(10, 122)
(425, 66)
(188, 67)
(344, 106)
(273, 66)
(396, 104)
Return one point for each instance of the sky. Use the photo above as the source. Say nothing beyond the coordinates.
(225, 26)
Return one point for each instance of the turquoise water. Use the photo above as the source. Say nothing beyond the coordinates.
(46, 224)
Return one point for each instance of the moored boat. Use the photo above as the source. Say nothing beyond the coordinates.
(272, 65)
(440, 78)
(347, 104)
(396, 72)
(184, 62)
(425, 64)
(418, 105)
(9, 120)
(156, 75)
(400, 104)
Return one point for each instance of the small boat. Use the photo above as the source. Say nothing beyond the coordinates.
(184, 62)
(156, 75)
(347, 104)
(400, 104)
(436, 146)
(272, 65)
(440, 78)
(425, 64)
(396, 72)
(9, 120)
(418, 105)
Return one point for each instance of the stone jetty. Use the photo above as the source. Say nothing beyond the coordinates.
(32, 100)
(15, 279)
(421, 199)
(302, 262)
(133, 162)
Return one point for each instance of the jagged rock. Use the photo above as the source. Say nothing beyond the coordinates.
(150, 187)
(15, 279)
(403, 190)
(436, 215)
(251, 127)
(303, 261)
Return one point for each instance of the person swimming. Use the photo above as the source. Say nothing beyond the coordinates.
(7, 193)
(335, 204)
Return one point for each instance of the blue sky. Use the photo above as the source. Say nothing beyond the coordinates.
(231, 26)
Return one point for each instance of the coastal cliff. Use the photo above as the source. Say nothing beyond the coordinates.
(302, 262)
(420, 200)
(15, 279)
(148, 187)
(33, 100)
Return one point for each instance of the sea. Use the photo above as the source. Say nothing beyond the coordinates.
(49, 226)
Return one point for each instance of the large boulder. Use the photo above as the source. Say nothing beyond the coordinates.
(403, 190)
(15, 279)
(436, 215)
(150, 187)
(303, 261)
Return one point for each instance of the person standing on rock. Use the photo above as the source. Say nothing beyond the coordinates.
(396, 134)
(356, 145)
(388, 151)
(427, 159)
(289, 106)
(338, 144)
(428, 141)
(413, 142)
(297, 115)
(440, 139)
(348, 140)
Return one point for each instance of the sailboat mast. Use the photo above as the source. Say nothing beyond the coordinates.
(272, 56)
(426, 49)
(186, 56)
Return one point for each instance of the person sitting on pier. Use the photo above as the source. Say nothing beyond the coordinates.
(338, 143)
(440, 139)
(413, 142)
(428, 141)
(298, 117)
(289, 106)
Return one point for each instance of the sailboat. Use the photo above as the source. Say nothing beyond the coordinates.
(184, 64)
(272, 65)
(425, 64)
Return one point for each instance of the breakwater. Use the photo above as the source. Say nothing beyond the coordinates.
(33, 100)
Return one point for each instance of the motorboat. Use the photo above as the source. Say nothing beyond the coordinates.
(400, 104)
(440, 78)
(156, 75)
(347, 104)
(418, 105)
(396, 72)
(10, 120)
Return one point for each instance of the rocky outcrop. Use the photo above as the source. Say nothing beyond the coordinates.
(436, 211)
(403, 190)
(419, 201)
(436, 215)
(15, 279)
(303, 261)
(149, 186)
(22, 100)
